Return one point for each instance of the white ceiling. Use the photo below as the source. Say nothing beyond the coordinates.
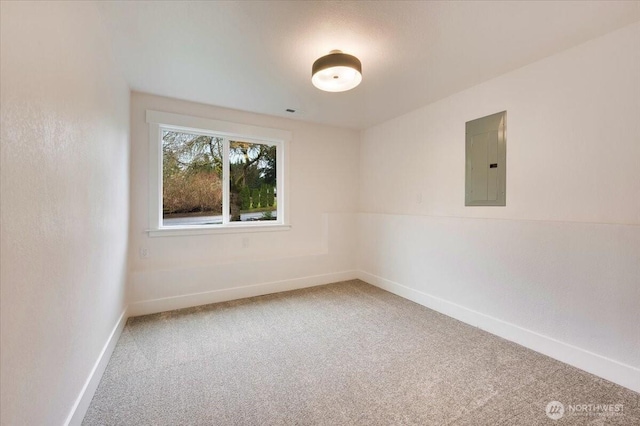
(257, 56)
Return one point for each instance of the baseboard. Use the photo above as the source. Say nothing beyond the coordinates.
(609, 369)
(86, 394)
(195, 299)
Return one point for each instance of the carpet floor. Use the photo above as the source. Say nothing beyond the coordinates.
(340, 354)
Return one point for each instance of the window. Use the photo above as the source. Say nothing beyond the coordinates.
(215, 176)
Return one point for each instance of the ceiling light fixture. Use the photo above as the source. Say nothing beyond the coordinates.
(336, 72)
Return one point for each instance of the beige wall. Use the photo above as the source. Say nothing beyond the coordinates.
(562, 259)
(64, 204)
(319, 247)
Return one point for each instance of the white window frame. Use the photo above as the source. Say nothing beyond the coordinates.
(159, 121)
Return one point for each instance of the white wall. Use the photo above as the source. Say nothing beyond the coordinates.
(562, 259)
(190, 270)
(557, 269)
(64, 190)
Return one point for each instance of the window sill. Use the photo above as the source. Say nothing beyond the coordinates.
(175, 231)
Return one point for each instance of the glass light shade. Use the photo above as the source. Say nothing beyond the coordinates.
(336, 72)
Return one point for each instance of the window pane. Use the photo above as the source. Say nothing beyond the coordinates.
(191, 179)
(252, 168)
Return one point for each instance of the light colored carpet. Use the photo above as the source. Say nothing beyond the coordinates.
(341, 354)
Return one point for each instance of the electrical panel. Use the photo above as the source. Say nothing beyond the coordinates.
(486, 161)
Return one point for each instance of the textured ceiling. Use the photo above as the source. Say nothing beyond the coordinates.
(257, 56)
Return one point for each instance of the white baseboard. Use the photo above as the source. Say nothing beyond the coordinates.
(86, 394)
(609, 369)
(195, 299)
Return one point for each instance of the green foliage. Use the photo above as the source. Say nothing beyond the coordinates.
(263, 195)
(245, 197)
(270, 196)
(255, 199)
(269, 172)
(268, 215)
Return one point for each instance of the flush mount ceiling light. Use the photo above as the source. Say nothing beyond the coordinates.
(336, 72)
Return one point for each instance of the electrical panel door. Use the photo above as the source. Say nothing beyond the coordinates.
(486, 161)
